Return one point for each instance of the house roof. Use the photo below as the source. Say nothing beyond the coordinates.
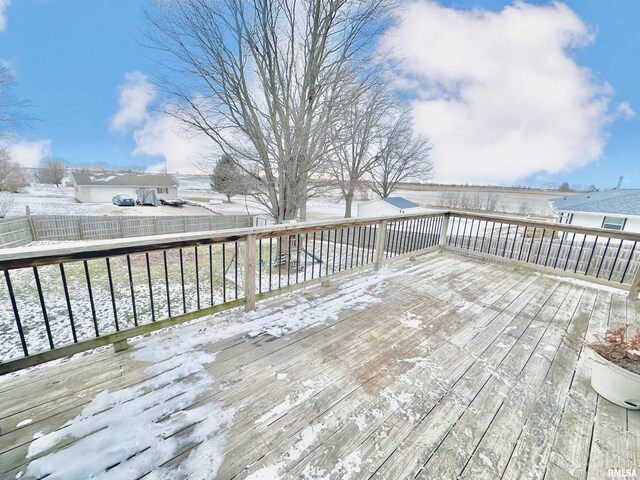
(123, 179)
(400, 202)
(625, 202)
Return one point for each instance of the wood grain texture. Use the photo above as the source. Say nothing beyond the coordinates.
(467, 369)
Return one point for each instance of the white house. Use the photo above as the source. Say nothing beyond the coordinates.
(610, 209)
(387, 206)
(102, 187)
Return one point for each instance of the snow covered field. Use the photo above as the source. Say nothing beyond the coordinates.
(48, 199)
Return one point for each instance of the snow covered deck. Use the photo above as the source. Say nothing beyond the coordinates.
(443, 367)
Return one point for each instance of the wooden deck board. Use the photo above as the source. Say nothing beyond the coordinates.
(494, 384)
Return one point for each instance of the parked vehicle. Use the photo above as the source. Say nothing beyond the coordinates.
(123, 201)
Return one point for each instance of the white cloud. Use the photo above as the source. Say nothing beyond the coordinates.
(499, 93)
(155, 133)
(625, 111)
(4, 4)
(164, 136)
(136, 93)
(29, 154)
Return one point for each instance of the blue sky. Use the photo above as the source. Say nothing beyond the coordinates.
(70, 58)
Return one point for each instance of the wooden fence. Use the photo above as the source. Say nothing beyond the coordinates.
(15, 232)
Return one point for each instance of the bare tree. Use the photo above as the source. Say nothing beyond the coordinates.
(52, 171)
(263, 80)
(402, 156)
(355, 139)
(12, 110)
(491, 201)
(6, 202)
(12, 176)
(524, 208)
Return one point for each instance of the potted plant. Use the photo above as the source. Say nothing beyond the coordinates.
(616, 368)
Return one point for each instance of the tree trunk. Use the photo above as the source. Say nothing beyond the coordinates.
(303, 211)
(349, 202)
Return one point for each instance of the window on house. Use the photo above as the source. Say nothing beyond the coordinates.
(614, 223)
(162, 190)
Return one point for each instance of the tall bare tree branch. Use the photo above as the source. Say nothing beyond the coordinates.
(403, 156)
(264, 80)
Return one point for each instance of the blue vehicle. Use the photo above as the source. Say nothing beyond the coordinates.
(123, 201)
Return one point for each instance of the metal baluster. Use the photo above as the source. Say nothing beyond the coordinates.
(506, 241)
(613, 265)
(484, 235)
(584, 239)
(68, 300)
(197, 277)
(43, 307)
(499, 237)
(464, 233)
(184, 296)
(595, 245)
(133, 296)
(93, 307)
(270, 260)
(260, 266)
(569, 252)
(313, 256)
(153, 312)
(524, 237)
(513, 245)
(320, 262)
(540, 245)
(555, 264)
(533, 239)
(166, 282)
(211, 274)
(306, 249)
(626, 268)
(224, 273)
(235, 266)
(604, 254)
(16, 315)
(113, 298)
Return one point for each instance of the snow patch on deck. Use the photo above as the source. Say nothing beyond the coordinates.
(411, 320)
(131, 432)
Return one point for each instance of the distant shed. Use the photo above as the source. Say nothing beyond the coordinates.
(387, 206)
(102, 187)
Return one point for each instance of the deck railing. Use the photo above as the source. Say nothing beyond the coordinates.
(606, 257)
(61, 300)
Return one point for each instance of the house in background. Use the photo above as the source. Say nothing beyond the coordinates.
(102, 187)
(387, 206)
(610, 209)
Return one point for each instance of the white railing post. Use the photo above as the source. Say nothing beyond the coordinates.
(444, 229)
(250, 272)
(382, 233)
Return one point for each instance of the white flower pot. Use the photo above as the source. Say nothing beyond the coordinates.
(614, 383)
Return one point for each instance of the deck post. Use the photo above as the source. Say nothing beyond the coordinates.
(443, 232)
(634, 289)
(250, 273)
(382, 233)
(120, 345)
